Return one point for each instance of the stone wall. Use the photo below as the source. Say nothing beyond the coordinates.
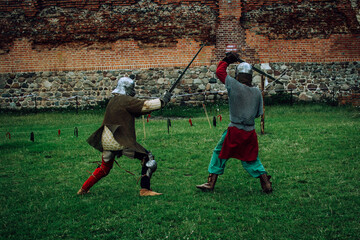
(306, 81)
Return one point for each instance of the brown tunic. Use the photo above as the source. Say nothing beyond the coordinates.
(120, 119)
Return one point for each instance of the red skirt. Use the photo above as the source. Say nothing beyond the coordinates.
(240, 144)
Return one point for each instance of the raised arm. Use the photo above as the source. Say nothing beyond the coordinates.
(230, 58)
(221, 71)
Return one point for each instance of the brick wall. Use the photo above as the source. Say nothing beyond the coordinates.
(336, 48)
(69, 35)
(302, 31)
(118, 55)
(353, 99)
(80, 35)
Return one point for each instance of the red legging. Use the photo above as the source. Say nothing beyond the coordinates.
(99, 173)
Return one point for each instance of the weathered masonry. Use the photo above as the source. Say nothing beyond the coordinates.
(66, 52)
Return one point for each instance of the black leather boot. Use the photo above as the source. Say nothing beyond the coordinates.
(266, 185)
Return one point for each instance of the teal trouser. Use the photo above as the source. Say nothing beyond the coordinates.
(217, 165)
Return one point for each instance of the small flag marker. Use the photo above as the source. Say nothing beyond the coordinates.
(32, 137)
(168, 125)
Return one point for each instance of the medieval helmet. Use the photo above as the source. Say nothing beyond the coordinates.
(125, 86)
(243, 73)
(243, 67)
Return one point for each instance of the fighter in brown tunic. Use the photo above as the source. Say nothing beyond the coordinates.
(116, 136)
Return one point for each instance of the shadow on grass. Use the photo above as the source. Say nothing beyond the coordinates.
(16, 145)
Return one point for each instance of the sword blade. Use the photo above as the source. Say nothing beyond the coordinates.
(182, 74)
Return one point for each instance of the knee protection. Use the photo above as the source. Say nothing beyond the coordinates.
(150, 166)
(107, 156)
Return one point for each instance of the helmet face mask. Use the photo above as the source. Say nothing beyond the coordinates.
(125, 86)
(130, 90)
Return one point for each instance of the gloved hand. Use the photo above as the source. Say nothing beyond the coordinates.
(231, 57)
(165, 99)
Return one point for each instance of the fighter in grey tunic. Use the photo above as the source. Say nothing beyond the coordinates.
(245, 104)
(240, 139)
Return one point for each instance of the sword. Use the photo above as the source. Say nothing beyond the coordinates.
(259, 71)
(182, 74)
(277, 80)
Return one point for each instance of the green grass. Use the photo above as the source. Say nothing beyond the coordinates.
(311, 151)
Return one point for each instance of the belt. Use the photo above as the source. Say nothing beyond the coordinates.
(243, 124)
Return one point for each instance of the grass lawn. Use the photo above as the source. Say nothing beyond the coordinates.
(311, 151)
